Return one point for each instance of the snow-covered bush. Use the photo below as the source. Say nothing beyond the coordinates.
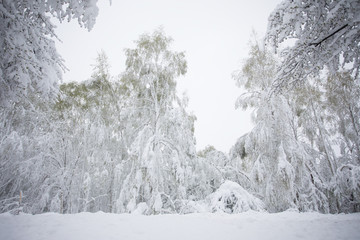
(232, 198)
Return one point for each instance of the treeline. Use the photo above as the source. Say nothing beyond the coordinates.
(108, 144)
(126, 144)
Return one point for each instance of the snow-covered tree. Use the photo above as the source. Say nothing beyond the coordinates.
(326, 33)
(29, 62)
(93, 115)
(163, 143)
(328, 115)
(343, 99)
(22, 154)
(69, 159)
(30, 70)
(280, 166)
(207, 173)
(342, 94)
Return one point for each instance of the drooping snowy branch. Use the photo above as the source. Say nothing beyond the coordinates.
(29, 62)
(327, 33)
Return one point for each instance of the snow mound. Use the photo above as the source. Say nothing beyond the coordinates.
(232, 198)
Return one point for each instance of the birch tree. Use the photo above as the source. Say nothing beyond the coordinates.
(163, 141)
(280, 165)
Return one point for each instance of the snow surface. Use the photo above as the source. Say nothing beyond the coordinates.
(248, 225)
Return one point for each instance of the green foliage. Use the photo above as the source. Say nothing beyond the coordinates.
(259, 69)
(203, 153)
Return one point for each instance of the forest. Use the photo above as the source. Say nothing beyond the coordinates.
(126, 144)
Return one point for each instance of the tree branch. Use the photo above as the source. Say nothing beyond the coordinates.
(328, 36)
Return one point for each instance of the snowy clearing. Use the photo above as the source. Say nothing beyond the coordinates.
(248, 225)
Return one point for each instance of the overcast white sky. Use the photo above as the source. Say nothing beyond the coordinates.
(214, 35)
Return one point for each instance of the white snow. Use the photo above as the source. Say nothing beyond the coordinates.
(247, 225)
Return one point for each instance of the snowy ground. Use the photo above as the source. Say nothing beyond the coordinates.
(249, 225)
